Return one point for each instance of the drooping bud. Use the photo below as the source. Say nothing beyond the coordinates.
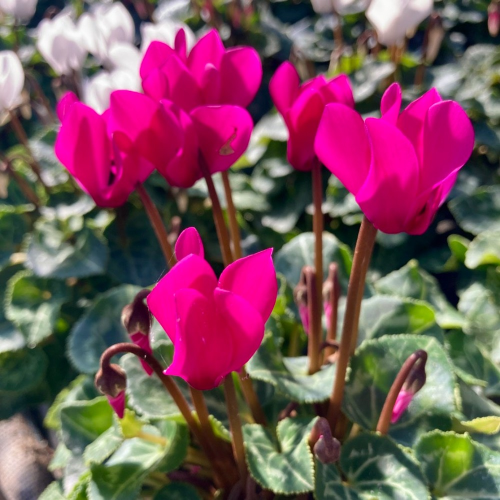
(331, 294)
(494, 17)
(111, 381)
(413, 383)
(136, 319)
(324, 445)
(434, 38)
(301, 299)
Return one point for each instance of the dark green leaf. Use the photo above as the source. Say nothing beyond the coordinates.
(21, 371)
(13, 227)
(177, 491)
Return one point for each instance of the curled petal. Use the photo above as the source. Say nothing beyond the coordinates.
(338, 90)
(243, 324)
(142, 341)
(254, 279)
(389, 191)
(391, 103)
(203, 349)
(189, 242)
(284, 87)
(155, 57)
(208, 50)
(448, 143)
(343, 147)
(118, 404)
(190, 272)
(402, 402)
(223, 134)
(241, 74)
(411, 121)
(65, 103)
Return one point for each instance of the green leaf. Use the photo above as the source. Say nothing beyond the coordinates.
(123, 474)
(13, 227)
(103, 446)
(33, 305)
(84, 421)
(374, 468)
(58, 252)
(60, 457)
(11, 339)
(99, 328)
(458, 246)
(63, 205)
(52, 492)
(385, 315)
(483, 249)
(177, 491)
(457, 467)
(21, 370)
(483, 425)
(472, 362)
(135, 255)
(299, 252)
(413, 282)
(284, 466)
(290, 375)
(479, 211)
(374, 368)
(474, 405)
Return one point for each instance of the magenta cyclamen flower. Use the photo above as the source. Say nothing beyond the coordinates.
(302, 106)
(215, 325)
(210, 75)
(110, 154)
(402, 166)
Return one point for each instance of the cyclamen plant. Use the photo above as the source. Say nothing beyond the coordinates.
(192, 124)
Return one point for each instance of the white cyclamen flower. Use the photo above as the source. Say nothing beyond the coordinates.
(22, 10)
(342, 7)
(104, 26)
(165, 32)
(393, 18)
(11, 80)
(96, 90)
(60, 44)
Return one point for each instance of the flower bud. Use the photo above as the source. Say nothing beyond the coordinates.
(11, 80)
(301, 300)
(494, 17)
(21, 10)
(331, 292)
(435, 37)
(111, 381)
(324, 445)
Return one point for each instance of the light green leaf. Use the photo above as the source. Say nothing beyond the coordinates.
(285, 466)
(103, 446)
(33, 305)
(375, 469)
(483, 249)
(52, 492)
(299, 252)
(55, 251)
(99, 328)
(457, 467)
(374, 368)
(483, 425)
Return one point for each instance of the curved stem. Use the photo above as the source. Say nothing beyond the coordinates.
(333, 296)
(235, 425)
(361, 261)
(384, 420)
(21, 182)
(231, 213)
(251, 398)
(314, 338)
(220, 225)
(158, 226)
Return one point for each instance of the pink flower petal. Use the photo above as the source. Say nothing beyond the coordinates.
(328, 309)
(390, 189)
(64, 104)
(155, 57)
(204, 348)
(244, 325)
(402, 402)
(411, 121)
(82, 146)
(190, 272)
(189, 242)
(211, 85)
(180, 44)
(155, 85)
(391, 103)
(223, 134)
(303, 119)
(208, 50)
(118, 404)
(448, 143)
(241, 74)
(304, 317)
(338, 90)
(284, 87)
(142, 341)
(254, 279)
(342, 145)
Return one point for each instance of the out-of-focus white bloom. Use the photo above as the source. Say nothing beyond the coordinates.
(96, 90)
(393, 18)
(165, 31)
(125, 56)
(60, 44)
(22, 10)
(341, 6)
(11, 80)
(104, 26)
